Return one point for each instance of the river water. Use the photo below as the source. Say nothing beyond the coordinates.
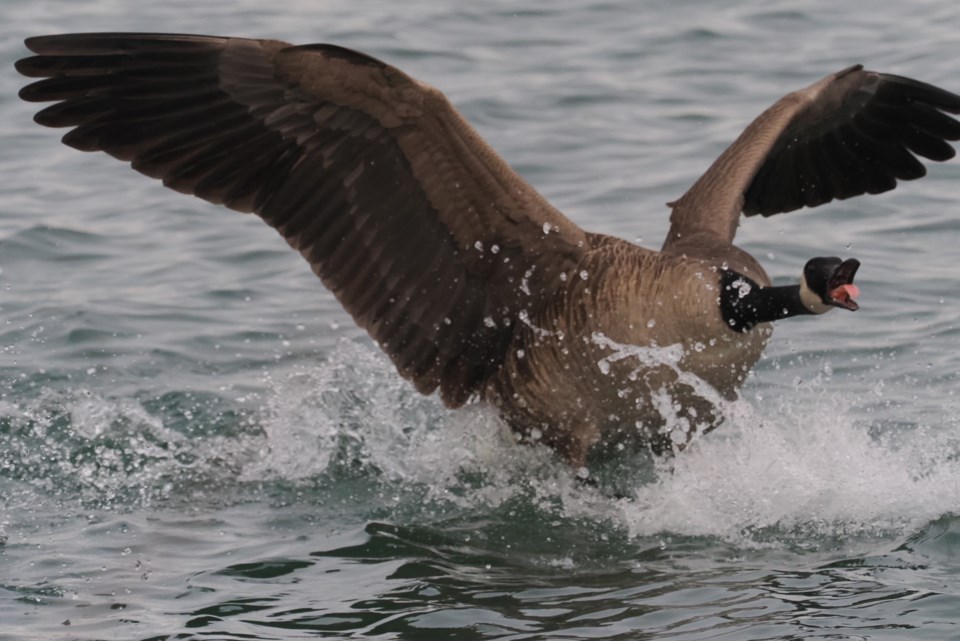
(197, 443)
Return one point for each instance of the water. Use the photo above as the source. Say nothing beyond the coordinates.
(196, 442)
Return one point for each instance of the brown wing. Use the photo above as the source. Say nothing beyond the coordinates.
(420, 229)
(852, 133)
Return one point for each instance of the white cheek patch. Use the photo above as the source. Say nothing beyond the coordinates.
(811, 300)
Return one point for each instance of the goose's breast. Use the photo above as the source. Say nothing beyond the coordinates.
(672, 306)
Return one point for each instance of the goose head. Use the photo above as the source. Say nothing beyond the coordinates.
(827, 282)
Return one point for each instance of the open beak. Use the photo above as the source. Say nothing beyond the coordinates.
(840, 288)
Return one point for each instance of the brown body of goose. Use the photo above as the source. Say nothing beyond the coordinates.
(468, 279)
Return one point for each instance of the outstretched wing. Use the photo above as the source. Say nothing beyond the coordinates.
(854, 132)
(424, 234)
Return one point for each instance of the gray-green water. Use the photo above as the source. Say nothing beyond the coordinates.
(196, 443)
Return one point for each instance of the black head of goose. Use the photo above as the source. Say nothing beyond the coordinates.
(468, 279)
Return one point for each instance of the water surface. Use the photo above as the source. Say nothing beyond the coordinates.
(196, 442)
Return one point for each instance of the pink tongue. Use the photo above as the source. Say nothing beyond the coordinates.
(849, 291)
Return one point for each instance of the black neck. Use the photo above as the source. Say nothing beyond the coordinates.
(745, 304)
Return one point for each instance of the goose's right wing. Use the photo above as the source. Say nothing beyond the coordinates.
(423, 232)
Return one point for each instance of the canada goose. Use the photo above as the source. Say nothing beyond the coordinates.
(469, 280)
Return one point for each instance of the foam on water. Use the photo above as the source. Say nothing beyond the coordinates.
(779, 469)
(801, 467)
(807, 464)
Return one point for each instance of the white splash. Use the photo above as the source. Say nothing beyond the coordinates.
(795, 465)
(804, 461)
(645, 355)
(78, 444)
(800, 462)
